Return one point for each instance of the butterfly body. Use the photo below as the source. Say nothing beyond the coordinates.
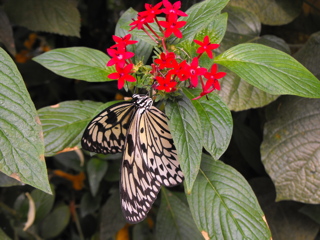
(141, 132)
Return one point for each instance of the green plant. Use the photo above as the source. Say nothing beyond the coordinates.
(219, 201)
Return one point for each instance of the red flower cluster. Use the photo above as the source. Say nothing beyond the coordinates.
(171, 25)
(121, 58)
(168, 71)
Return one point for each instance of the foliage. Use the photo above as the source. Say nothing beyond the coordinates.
(228, 168)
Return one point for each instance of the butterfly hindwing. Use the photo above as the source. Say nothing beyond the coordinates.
(106, 133)
(141, 132)
(157, 147)
(138, 187)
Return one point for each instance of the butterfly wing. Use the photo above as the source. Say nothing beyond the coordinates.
(106, 133)
(157, 147)
(138, 187)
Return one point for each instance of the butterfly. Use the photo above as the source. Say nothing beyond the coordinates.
(140, 131)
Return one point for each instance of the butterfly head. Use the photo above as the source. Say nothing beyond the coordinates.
(142, 100)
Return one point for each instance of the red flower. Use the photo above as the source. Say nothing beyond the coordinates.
(151, 12)
(206, 46)
(212, 82)
(181, 70)
(166, 60)
(171, 26)
(195, 71)
(173, 9)
(119, 56)
(122, 42)
(166, 83)
(142, 20)
(123, 74)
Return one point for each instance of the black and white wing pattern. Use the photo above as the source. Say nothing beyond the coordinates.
(106, 133)
(149, 161)
(138, 186)
(141, 132)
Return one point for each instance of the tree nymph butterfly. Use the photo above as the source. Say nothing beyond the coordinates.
(140, 131)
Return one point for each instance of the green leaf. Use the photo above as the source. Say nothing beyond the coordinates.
(272, 41)
(223, 204)
(89, 204)
(142, 50)
(96, 169)
(243, 26)
(21, 142)
(270, 70)
(3, 235)
(240, 95)
(216, 121)
(70, 160)
(64, 123)
(141, 231)
(55, 222)
(248, 144)
(290, 149)
(215, 30)
(200, 15)
(124, 24)
(80, 63)
(174, 220)
(284, 218)
(186, 131)
(242, 21)
(6, 181)
(43, 203)
(312, 211)
(54, 16)
(112, 219)
(6, 33)
(273, 12)
(309, 54)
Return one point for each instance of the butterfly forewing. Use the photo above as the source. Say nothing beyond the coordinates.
(106, 133)
(138, 187)
(141, 132)
(157, 148)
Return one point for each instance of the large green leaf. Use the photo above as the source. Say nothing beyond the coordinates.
(3, 235)
(174, 220)
(96, 169)
(199, 16)
(64, 123)
(270, 70)
(284, 218)
(6, 181)
(272, 41)
(216, 121)
(242, 21)
(186, 131)
(55, 16)
(43, 203)
(127, 18)
(291, 148)
(244, 26)
(272, 12)
(21, 141)
(223, 204)
(112, 219)
(215, 30)
(89, 204)
(6, 33)
(80, 63)
(55, 222)
(142, 49)
(240, 95)
(309, 54)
